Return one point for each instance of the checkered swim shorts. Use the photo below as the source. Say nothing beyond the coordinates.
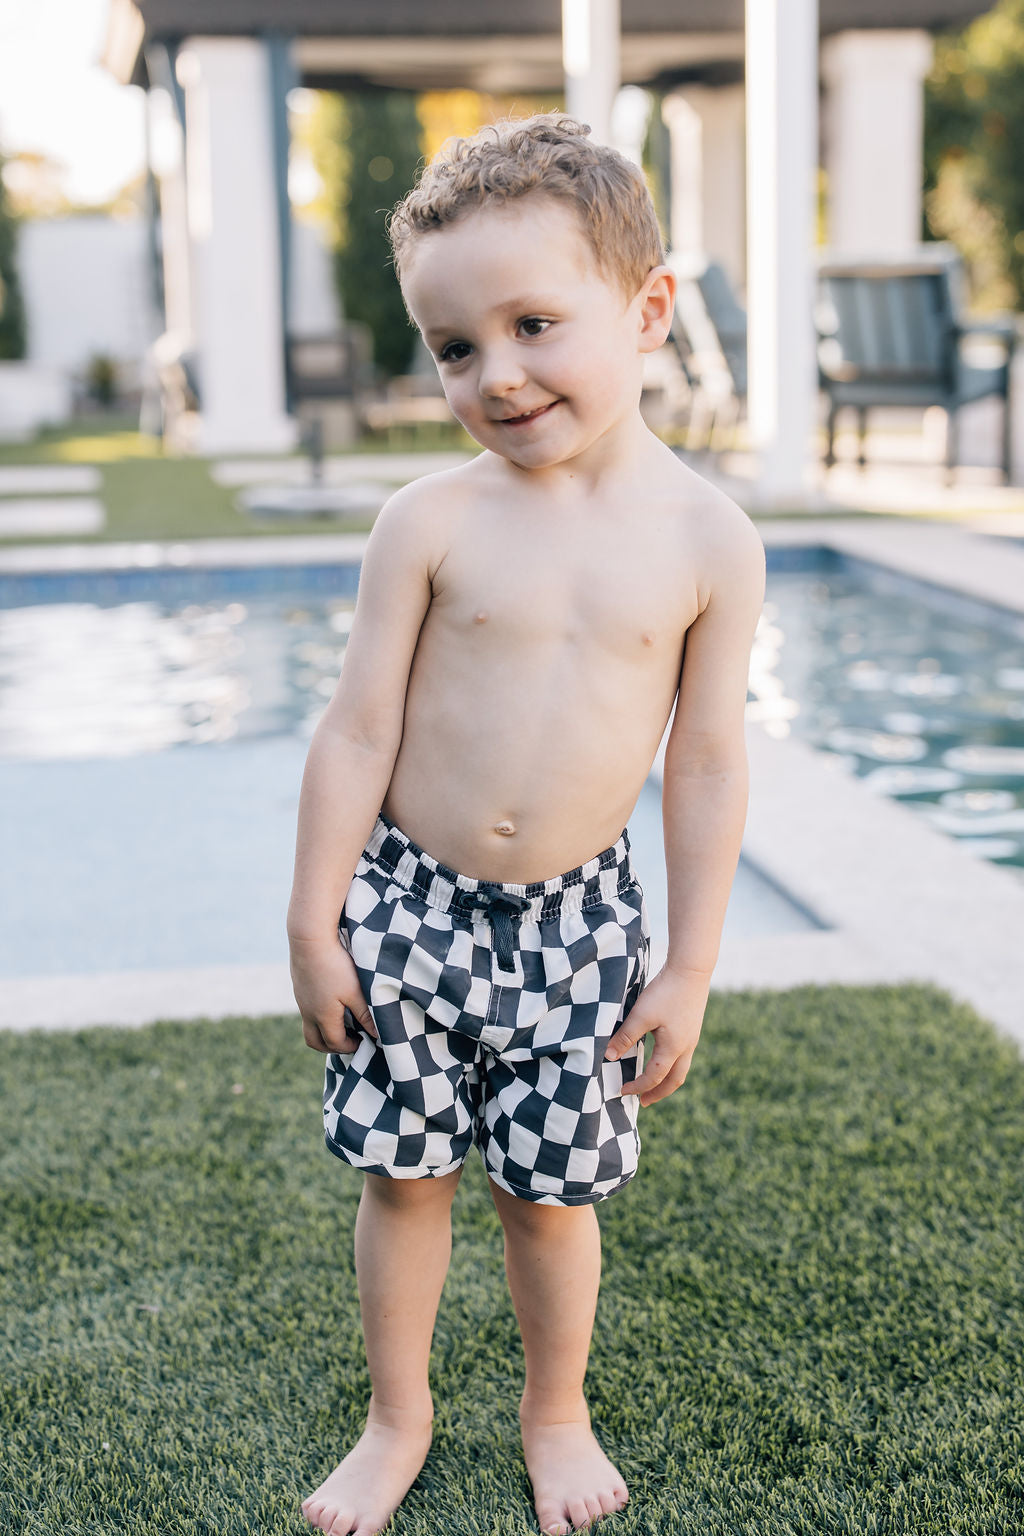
(493, 1005)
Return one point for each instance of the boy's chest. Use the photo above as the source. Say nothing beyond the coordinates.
(619, 594)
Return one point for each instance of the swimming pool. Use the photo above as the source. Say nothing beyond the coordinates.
(919, 691)
(152, 739)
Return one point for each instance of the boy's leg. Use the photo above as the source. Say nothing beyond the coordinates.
(553, 1261)
(403, 1245)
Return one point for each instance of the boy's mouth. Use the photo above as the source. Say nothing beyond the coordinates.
(519, 421)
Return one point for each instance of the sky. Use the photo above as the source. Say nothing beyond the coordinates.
(56, 98)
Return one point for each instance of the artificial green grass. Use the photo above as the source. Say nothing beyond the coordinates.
(811, 1317)
(150, 495)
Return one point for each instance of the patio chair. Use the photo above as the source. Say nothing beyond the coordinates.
(709, 331)
(334, 366)
(890, 334)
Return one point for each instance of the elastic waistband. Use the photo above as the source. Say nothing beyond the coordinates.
(603, 877)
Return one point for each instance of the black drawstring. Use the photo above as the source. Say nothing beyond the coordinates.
(502, 908)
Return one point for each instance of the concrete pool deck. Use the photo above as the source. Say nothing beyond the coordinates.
(897, 899)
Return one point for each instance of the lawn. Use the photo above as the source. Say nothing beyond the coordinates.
(150, 495)
(810, 1322)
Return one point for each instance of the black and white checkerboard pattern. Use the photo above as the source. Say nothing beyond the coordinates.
(470, 1052)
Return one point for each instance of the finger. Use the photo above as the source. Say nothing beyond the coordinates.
(313, 1038)
(657, 1068)
(625, 1039)
(673, 1080)
(358, 1013)
(329, 1038)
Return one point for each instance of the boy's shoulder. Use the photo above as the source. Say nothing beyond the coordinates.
(722, 538)
(421, 512)
(711, 518)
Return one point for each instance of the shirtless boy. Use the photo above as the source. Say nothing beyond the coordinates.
(517, 649)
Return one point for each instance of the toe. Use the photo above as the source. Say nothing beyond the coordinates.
(609, 1501)
(595, 1509)
(552, 1520)
(341, 1525)
(579, 1514)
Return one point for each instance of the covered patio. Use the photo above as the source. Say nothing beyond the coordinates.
(739, 99)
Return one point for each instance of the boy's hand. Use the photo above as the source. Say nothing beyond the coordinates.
(672, 1007)
(326, 988)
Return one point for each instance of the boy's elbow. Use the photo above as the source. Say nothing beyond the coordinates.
(702, 757)
(375, 733)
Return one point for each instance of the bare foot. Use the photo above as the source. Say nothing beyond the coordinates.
(363, 1492)
(574, 1483)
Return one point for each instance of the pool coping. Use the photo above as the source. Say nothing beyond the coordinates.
(900, 900)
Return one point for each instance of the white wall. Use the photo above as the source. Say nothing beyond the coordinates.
(86, 285)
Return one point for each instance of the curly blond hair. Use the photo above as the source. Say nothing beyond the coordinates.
(547, 155)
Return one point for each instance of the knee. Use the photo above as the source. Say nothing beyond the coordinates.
(410, 1194)
(531, 1220)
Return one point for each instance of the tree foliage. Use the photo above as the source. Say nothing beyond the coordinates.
(382, 151)
(367, 148)
(974, 150)
(12, 309)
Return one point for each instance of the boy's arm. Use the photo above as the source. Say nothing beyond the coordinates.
(704, 805)
(349, 766)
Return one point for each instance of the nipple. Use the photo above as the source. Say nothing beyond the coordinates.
(647, 639)
(480, 618)
(504, 829)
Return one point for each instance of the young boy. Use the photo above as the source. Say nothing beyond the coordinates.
(517, 649)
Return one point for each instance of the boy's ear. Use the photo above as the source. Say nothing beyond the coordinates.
(657, 300)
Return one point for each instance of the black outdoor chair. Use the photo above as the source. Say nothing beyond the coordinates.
(709, 331)
(890, 334)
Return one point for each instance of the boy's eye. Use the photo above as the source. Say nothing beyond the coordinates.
(532, 325)
(455, 352)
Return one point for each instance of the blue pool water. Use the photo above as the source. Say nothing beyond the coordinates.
(920, 692)
(153, 729)
(151, 751)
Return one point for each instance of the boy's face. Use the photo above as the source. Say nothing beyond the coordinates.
(540, 353)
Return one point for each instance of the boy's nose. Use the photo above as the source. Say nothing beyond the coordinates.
(500, 374)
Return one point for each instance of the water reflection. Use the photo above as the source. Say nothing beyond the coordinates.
(922, 704)
(85, 680)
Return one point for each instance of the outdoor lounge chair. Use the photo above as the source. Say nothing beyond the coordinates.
(709, 331)
(890, 334)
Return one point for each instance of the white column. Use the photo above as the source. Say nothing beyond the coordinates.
(167, 162)
(590, 59)
(782, 152)
(874, 120)
(233, 231)
(706, 129)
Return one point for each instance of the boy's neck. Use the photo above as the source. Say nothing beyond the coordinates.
(616, 456)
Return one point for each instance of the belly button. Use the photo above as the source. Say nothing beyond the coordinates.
(504, 829)
(480, 618)
(647, 639)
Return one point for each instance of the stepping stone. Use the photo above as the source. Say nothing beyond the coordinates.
(361, 498)
(48, 479)
(48, 516)
(395, 468)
